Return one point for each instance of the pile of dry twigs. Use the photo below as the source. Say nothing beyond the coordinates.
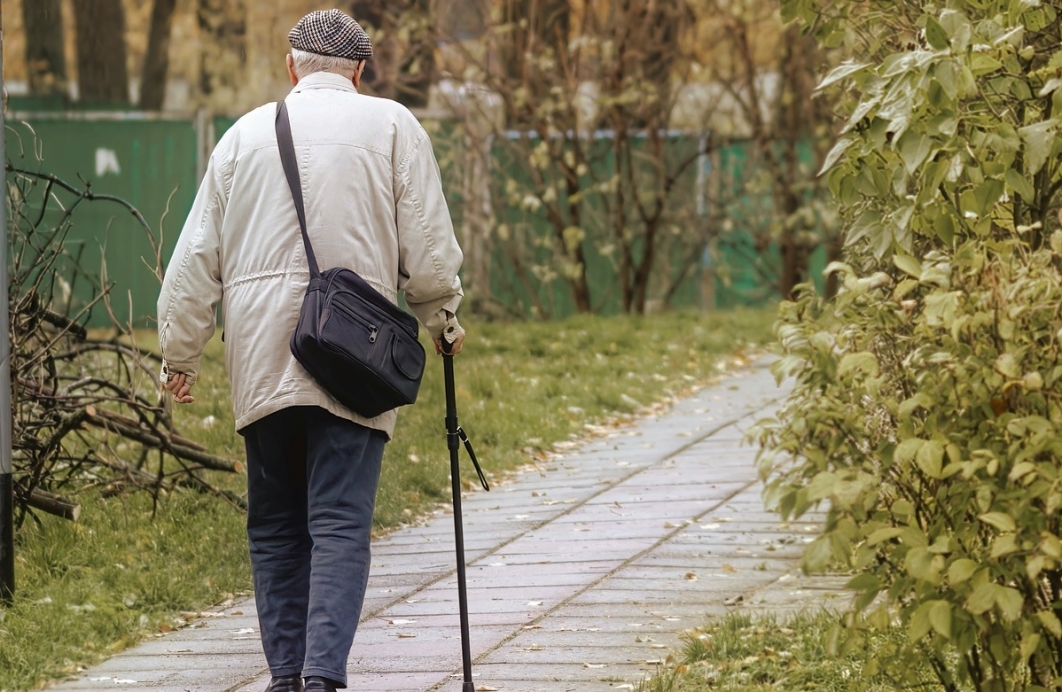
(86, 407)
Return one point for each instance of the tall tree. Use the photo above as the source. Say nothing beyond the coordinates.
(102, 73)
(45, 57)
(567, 71)
(223, 34)
(770, 73)
(157, 60)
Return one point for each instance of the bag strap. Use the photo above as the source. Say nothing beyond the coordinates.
(291, 171)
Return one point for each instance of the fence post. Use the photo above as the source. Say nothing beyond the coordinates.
(7, 488)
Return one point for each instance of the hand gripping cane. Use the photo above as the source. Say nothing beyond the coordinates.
(454, 436)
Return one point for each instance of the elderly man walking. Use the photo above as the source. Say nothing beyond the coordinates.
(374, 204)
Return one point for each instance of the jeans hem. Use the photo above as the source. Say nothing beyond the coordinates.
(340, 678)
(285, 671)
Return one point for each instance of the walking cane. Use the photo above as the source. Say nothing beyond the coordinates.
(454, 436)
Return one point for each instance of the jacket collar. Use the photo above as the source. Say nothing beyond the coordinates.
(324, 80)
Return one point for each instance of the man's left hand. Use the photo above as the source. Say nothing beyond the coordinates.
(177, 385)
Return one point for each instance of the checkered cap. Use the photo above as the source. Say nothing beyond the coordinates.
(331, 32)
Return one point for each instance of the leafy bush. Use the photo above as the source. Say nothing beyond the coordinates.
(928, 409)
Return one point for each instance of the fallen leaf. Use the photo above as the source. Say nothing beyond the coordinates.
(400, 622)
(594, 665)
(533, 603)
(406, 635)
(690, 576)
(734, 600)
(729, 569)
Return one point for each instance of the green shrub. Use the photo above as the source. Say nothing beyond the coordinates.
(928, 405)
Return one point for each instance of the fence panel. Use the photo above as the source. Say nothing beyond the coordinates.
(149, 162)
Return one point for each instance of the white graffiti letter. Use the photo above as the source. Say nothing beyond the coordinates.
(107, 162)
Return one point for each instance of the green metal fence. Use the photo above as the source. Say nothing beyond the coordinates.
(153, 163)
(149, 162)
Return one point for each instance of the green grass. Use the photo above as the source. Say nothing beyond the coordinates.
(743, 653)
(87, 590)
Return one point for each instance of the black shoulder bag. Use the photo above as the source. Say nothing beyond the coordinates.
(357, 344)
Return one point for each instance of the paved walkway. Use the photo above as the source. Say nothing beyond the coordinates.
(582, 572)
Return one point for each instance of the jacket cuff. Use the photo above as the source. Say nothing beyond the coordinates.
(189, 369)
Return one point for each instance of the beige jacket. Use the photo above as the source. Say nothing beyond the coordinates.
(374, 204)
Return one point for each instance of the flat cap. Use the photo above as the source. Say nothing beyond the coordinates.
(333, 33)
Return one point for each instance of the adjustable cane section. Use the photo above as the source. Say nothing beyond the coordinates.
(455, 434)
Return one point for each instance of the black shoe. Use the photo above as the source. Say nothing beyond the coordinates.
(285, 683)
(318, 684)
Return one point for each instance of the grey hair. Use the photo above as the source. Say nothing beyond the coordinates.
(307, 63)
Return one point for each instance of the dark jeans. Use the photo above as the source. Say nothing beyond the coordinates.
(311, 485)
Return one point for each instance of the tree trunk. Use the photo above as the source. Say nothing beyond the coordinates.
(102, 74)
(535, 27)
(416, 74)
(223, 35)
(652, 30)
(834, 253)
(795, 122)
(580, 288)
(382, 25)
(157, 59)
(45, 58)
